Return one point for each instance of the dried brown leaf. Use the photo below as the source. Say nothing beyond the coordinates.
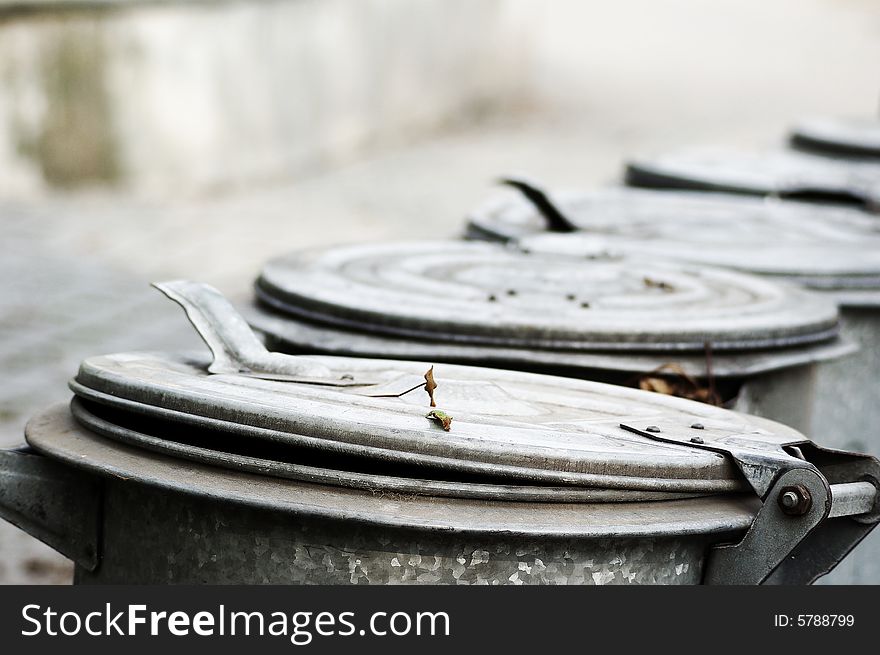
(430, 385)
(658, 385)
(658, 284)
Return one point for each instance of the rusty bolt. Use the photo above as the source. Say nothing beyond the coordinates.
(795, 500)
(698, 426)
(696, 439)
(652, 428)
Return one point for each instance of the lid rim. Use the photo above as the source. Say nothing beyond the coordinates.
(54, 433)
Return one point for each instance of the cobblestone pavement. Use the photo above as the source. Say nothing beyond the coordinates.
(75, 270)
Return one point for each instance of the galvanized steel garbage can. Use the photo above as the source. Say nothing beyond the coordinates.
(255, 467)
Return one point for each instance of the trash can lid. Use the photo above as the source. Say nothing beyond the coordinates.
(479, 293)
(488, 424)
(782, 173)
(852, 137)
(824, 248)
(56, 434)
(295, 335)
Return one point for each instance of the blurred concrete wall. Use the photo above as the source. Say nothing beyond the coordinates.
(189, 96)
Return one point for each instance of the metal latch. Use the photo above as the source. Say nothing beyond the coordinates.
(818, 504)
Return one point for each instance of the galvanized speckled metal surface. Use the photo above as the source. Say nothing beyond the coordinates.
(484, 294)
(211, 525)
(773, 172)
(839, 136)
(218, 544)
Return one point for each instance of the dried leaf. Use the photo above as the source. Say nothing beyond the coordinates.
(658, 284)
(658, 385)
(440, 417)
(679, 384)
(430, 385)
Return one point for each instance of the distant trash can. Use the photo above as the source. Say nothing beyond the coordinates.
(859, 138)
(688, 330)
(780, 173)
(833, 251)
(254, 467)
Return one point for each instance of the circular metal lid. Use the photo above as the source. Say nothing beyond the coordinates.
(219, 445)
(488, 423)
(820, 247)
(479, 293)
(55, 434)
(294, 335)
(783, 173)
(847, 137)
(505, 424)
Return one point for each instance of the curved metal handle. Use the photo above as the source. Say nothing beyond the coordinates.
(556, 220)
(235, 347)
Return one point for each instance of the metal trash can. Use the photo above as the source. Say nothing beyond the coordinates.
(830, 250)
(780, 173)
(253, 466)
(689, 330)
(838, 137)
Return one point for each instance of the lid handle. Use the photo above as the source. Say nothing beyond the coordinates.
(556, 220)
(235, 347)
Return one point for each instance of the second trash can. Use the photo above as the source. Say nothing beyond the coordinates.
(689, 330)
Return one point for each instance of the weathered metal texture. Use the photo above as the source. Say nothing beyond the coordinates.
(483, 294)
(56, 434)
(847, 413)
(787, 395)
(510, 425)
(195, 540)
(394, 279)
(778, 173)
(51, 502)
(774, 384)
(186, 442)
(516, 425)
(826, 248)
(773, 535)
(210, 525)
(284, 333)
(843, 137)
(791, 540)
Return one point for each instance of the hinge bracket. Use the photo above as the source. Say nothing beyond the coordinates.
(818, 504)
